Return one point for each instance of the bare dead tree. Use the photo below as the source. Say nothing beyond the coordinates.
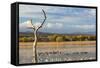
(35, 30)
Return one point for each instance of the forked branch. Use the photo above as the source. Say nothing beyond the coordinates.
(43, 20)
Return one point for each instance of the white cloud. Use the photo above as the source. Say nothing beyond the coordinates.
(37, 24)
(54, 25)
(49, 25)
(59, 25)
(85, 26)
(26, 24)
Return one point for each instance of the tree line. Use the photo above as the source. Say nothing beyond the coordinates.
(58, 38)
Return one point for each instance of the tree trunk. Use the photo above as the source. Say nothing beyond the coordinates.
(35, 38)
(34, 47)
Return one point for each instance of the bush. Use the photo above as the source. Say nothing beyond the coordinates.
(25, 39)
(60, 39)
(52, 38)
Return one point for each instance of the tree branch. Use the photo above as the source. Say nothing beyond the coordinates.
(43, 20)
(32, 25)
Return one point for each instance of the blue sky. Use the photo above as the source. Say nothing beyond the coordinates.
(59, 19)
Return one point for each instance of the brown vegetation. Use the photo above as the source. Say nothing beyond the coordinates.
(29, 44)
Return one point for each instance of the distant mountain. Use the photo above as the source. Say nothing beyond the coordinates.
(41, 33)
(45, 33)
(88, 33)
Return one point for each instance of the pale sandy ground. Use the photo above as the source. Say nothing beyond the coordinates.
(51, 52)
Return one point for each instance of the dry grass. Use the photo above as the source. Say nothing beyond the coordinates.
(29, 44)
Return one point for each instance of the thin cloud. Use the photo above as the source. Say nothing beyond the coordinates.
(54, 25)
(86, 27)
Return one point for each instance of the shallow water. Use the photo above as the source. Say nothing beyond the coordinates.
(58, 54)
